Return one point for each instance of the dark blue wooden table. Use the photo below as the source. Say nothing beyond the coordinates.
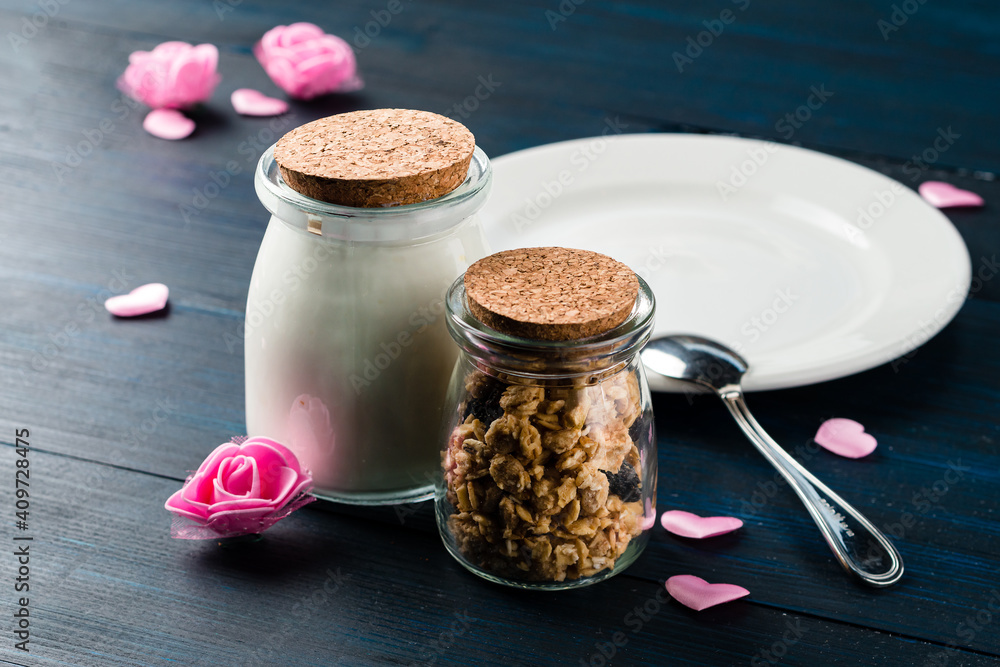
(117, 411)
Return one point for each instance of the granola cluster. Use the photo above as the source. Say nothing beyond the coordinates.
(545, 481)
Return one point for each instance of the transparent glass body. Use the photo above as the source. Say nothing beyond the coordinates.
(347, 354)
(547, 476)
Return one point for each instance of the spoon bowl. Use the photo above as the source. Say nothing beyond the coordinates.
(860, 547)
(694, 359)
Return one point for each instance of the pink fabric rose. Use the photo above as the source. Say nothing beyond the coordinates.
(174, 75)
(305, 62)
(240, 489)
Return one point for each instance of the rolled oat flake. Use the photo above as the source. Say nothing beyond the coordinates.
(548, 466)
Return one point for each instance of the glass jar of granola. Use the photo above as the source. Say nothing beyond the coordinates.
(374, 214)
(548, 466)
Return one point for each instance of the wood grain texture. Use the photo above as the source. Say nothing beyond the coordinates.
(328, 588)
(891, 90)
(120, 410)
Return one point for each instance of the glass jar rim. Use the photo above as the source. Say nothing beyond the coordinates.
(384, 225)
(531, 358)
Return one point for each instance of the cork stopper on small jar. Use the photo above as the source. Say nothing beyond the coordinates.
(550, 293)
(380, 157)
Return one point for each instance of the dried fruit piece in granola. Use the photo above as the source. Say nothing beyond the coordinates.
(625, 483)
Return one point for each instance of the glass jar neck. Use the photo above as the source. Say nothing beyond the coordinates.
(409, 223)
(541, 359)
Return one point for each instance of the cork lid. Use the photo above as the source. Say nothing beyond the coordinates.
(380, 157)
(550, 293)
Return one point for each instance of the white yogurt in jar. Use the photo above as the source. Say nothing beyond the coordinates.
(347, 355)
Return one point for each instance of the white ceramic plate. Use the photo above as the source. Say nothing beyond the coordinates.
(810, 266)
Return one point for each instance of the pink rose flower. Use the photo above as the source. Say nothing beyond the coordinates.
(305, 62)
(174, 75)
(240, 489)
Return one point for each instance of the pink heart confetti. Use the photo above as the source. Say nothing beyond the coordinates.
(140, 301)
(250, 102)
(698, 594)
(168, 124)
(946, 195)
(686, 524)
(845, 437)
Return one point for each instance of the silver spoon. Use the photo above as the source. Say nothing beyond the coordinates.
(859, 546)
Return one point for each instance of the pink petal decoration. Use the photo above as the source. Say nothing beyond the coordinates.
(174, 75)
(698, 594)
(845, 437)
(686, 524)
(168, 124)
(140, 301)
(305, 62)
(946, 195)
(250, 102)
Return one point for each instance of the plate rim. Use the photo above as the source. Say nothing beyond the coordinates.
(959, 262)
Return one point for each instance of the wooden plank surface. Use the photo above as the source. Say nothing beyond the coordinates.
(328, 588)
(705, 464)
(890, 96)
(119, 410)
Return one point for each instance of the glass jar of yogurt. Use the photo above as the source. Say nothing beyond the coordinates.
(347, 353)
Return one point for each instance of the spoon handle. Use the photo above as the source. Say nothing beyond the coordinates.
(859, 546)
